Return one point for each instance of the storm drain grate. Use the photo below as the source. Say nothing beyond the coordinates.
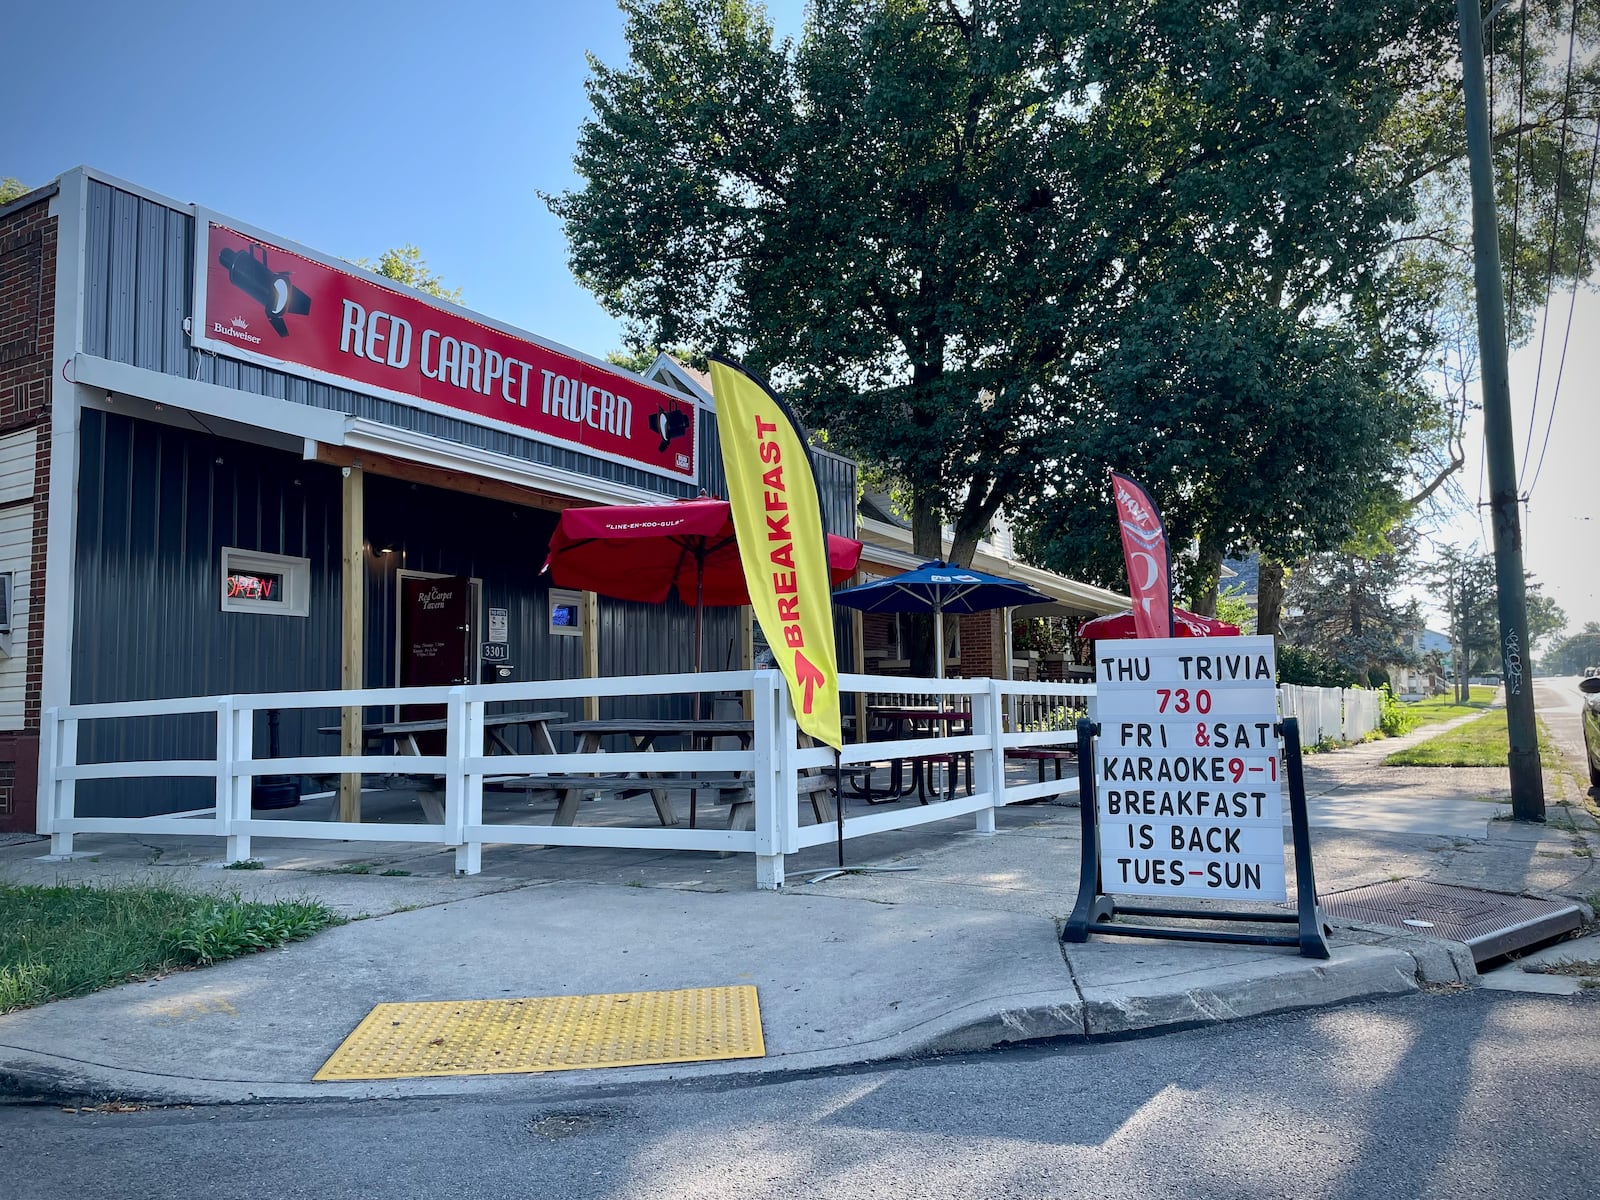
(1489, 923)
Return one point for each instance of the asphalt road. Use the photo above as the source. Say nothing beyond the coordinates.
(1560, 704)
(1442, 1094)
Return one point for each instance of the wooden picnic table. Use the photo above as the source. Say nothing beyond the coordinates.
(404, 733)
(643, 733)
(495, 725)
(910, 721)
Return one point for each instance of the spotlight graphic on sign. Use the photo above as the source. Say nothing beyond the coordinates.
(668, 424)
(248, 271)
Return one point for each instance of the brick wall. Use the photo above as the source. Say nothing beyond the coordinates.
(983, 645)
(27, 339)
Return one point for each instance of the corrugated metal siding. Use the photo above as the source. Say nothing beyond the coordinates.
(836, 479)
(138, 284)
(713, 479)
(156, 506)
(642, 639)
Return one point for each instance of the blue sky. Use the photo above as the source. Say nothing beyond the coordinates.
(352, 127)
(347, 126)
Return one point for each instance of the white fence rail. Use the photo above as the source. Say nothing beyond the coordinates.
(1332, 714)
(1004, 716)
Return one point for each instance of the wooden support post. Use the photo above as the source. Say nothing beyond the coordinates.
(747, 653)
(351, 661)
(591, 651)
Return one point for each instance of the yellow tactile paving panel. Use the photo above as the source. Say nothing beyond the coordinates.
(550, 1033)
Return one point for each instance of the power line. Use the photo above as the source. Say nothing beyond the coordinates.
(1555, 235)
(1572, 302)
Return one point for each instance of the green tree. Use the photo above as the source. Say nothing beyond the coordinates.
(1577, 652)
(1345, 609)
(934, 221)
(405, 264)
(11, 188)
(1409, 321)
(1545, 616)
(1233, 608)
(961, 234)
(1251, 430)
(1467, 584)
(638, 359)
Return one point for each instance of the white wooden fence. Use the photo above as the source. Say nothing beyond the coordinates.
(1337, 714)
(774, 760)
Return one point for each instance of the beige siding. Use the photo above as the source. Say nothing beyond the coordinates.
(16, 465)
(16, 549)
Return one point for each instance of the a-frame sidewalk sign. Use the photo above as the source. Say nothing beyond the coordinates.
(1180, 792)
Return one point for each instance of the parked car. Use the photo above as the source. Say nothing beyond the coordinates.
(1590, 688)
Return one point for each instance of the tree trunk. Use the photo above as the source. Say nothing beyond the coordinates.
(927, 543)
(927, 531)
(1208, 579)
(1269, 597)
(977, 511)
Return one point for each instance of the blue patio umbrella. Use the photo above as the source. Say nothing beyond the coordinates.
(939, 587)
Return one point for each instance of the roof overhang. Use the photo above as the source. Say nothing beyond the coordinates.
(452, 465)
(887, 551)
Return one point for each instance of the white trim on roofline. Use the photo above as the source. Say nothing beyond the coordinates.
(210, 399)
(311, 426)
(422, 448)
(1068, 591)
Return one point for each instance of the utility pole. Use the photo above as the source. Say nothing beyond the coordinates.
(1527, 781)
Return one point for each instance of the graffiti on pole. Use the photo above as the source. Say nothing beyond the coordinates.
(1513, 664)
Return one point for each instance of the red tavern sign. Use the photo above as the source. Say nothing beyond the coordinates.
(257, 300)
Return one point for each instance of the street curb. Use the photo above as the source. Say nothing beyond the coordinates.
(1436, 960)
(1254, 989)
(1145, 1008)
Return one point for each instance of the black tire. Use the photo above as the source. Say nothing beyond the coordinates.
(1594, 776)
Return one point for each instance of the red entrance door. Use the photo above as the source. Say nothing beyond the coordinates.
(435, 644)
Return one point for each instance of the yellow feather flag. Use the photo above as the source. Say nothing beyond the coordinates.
(777, 516)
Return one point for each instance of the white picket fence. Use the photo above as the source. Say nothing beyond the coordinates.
(1338, 714)
(774, 759)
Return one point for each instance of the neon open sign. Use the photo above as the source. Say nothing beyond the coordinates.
(256, 586)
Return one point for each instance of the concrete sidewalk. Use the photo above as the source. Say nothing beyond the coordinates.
(960, 953)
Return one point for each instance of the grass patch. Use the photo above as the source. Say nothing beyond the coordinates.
(245, 864)
(393, 871)
(57, 942)
(1481, 743)
(1444, 708)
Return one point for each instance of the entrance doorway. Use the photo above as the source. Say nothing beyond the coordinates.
(438, 635)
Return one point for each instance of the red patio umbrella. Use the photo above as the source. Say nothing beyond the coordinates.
(1184, 624)
(646, 551)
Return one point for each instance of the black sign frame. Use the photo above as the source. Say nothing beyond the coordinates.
(1095, 909)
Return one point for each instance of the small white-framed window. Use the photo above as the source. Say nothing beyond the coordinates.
(255, 582)
(566, 612)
